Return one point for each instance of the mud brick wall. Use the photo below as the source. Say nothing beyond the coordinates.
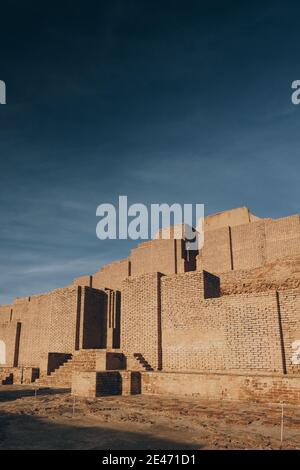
(249, 245)
(252, 332)
(63, 324)
(48, 325)
(34, 315)
(232, 333)
(244, 245)
(259, 388)
(83, 281)
(112, 275)
(20, 308)
(230, 218)
(289, 312)
(191, 339)
(164, 256)
(216, 257)
(282, 238)
(58, 322)
(84, 384)
(108, 277)
(239, 282)
(54, 323)
(5, 313)
(140, 318)
(93, 384)
(172, 323)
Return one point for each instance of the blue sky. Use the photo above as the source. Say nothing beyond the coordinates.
(161, 101)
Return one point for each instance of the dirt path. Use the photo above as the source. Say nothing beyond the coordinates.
(139, 422)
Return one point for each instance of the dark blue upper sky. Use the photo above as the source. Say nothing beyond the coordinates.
(163, 101)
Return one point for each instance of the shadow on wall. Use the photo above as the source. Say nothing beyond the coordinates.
(55, 360)
(11, 395)
(114, 383)
(29, 432)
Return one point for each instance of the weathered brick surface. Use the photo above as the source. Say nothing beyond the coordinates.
(232, 314)
(58, 322)
(95, 384)
(236, 332)
(215, 256)
(5, 313)
(140, 320)
(109, 276)
(289, 313)
(165, 256)
(260, 388)
(84, 384)
(249, 245)
(48, 325)
(170, 315)
(282, 238)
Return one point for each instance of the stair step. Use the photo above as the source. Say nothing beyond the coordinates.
(84, 360)
(143, 362)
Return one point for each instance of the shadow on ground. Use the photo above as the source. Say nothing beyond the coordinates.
(29, 432)
(11, 395)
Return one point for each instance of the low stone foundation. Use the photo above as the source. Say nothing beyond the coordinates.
(95, 384)
(18, 375)
(254, 388)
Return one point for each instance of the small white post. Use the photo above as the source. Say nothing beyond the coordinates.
(73, 409)
(281, 431)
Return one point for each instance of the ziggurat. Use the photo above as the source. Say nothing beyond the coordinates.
(222, 323)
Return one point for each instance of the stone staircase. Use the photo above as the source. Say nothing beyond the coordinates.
(83, 360)
(6, 375)
(143, 364)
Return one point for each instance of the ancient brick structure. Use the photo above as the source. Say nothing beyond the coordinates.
(221, 323)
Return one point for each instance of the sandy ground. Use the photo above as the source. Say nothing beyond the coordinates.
(139, 422)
